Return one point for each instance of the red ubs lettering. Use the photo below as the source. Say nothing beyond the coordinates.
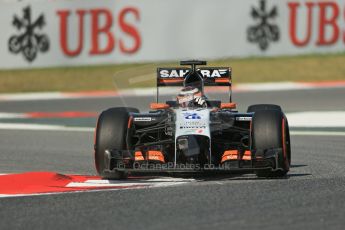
(328, 14)
(97, 30)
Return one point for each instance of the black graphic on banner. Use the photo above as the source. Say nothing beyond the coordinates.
(28, 41)
(264, 31)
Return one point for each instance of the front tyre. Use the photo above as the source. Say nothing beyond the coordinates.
(110, 133)
(270, 130)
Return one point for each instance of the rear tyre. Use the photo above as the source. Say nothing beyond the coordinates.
(270, 129)
(254, 108)
(111, 133)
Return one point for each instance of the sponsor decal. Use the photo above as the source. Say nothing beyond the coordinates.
(103, 39)
(327, 24)
(29, 41)
(142, 119)
(173, 73)
(200, 131)
(243, 118)
(205, 73)
(193, 126)
(186, 126)
(191, 116)
(214, 73)
(264, 31)
(193, 130)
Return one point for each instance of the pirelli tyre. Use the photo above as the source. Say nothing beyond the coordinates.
(270, 130)
(110, 133)
(254, 108)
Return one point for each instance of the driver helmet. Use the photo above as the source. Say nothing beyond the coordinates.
(187, 96)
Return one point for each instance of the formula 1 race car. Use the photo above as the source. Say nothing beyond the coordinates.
(196, 137)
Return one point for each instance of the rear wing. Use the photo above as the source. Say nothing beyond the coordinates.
(212, 76)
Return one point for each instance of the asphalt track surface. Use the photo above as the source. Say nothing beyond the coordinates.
(311, 197)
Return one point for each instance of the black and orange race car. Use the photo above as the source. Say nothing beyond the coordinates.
(214, 137)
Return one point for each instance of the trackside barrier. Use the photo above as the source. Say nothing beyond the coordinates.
(44, 33)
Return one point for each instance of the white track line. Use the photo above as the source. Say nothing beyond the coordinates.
(12, 115)
(272, 86)
(335, 119)
(316, 133)
(60, 193)
(31, 96)
(18, 126)
(251, 87)
(305, 120)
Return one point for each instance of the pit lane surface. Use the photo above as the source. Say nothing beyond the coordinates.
(312, 197)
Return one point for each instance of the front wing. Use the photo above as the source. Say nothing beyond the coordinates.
(117, 160)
